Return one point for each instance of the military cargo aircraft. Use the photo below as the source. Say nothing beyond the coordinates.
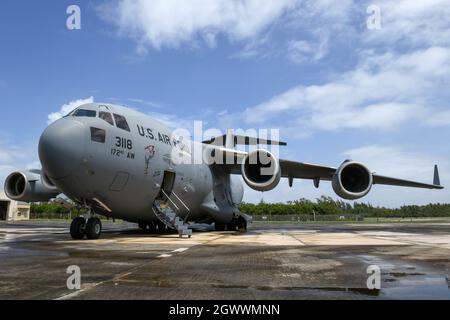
(116, 162)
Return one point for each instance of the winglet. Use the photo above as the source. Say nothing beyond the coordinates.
(436, 180)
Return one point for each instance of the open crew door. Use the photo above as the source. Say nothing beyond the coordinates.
(166, 186)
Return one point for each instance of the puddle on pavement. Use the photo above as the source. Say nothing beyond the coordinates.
(408, 280)
(419, 287)
(364, 291)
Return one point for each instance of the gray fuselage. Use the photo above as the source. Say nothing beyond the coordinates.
(120, 167)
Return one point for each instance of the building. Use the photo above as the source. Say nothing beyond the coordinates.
(11, 210)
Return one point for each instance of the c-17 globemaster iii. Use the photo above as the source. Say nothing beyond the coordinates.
(120, 163)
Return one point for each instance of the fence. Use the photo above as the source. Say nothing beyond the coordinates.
(51, 216)
(306, 217)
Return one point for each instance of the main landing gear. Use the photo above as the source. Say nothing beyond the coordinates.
(239, 224)
(153, 226)
(91, 227)
(79, 228)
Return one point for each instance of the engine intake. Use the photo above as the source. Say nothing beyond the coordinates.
(27, 186)
(261, 170)
(352, 180)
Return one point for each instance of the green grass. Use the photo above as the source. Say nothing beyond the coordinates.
(408, 220)
(414, 220)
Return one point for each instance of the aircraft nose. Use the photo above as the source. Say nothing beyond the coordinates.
(62, 147)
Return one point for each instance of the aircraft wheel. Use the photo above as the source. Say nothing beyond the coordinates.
(143, 226)
(93, 228)
(219, 226)
(77, 228)
(161, 227)
(152, 226)
(231, 226)
(242, 224)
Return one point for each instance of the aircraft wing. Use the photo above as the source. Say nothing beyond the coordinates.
(377, 179)
(313, 171)
(301, 170)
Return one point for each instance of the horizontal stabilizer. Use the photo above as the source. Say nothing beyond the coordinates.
(245, 140)
(241, 140)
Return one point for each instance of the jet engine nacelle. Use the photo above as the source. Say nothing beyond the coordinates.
(30, 186)
(261, 170)
(352, 180)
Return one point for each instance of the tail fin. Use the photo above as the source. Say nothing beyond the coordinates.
(230, 140)
(436, 180)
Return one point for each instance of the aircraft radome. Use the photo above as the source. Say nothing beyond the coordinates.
(119, 163)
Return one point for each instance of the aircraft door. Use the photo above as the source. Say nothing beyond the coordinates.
(169, 197)
(166, 186)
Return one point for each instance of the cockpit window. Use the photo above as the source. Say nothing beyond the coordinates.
(121, 122)
(84, 113)
(106, 116)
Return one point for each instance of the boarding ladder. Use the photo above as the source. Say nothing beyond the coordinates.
(169, 217)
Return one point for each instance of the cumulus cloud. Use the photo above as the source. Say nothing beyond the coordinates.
(439, 119)
(67, 108)
(310, 29)
(382, 92)
(10, 154)
(173, 121)
(172, 23)
(300, 51)
(412, 23)
(402, 75)
(395, 161)
(160, 24)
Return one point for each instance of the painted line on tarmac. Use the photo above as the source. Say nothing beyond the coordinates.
(78, 292)
(170, 254)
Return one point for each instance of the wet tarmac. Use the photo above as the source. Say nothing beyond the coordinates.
(327, 261)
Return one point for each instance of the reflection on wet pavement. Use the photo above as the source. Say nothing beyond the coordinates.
(268, 262)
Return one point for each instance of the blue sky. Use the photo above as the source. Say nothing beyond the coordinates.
(312, 69)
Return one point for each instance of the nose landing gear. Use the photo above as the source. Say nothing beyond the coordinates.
(77, 228)
(93, 228)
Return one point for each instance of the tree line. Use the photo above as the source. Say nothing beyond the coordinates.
(321, 206)
(329, 206)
